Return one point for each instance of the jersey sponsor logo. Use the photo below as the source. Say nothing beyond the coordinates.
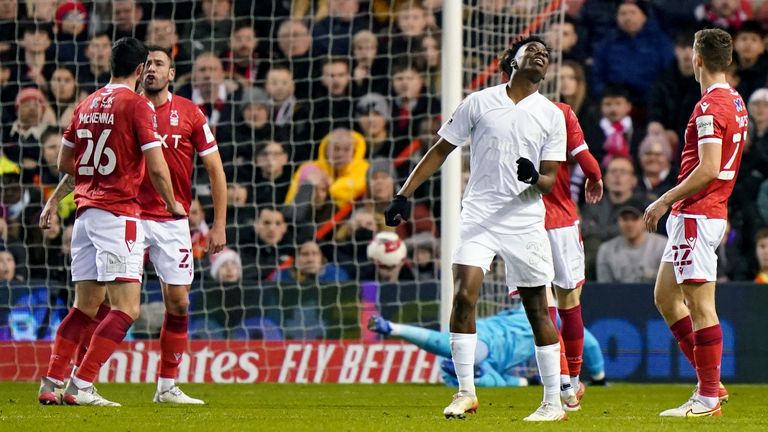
(704, 107)
(743, 121)
(174, 118)
(163, 138)
(705, 125)
(107, 102)
(154, 121)
(208, 134)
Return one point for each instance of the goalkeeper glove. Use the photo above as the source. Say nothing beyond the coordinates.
(526, 172)
(399, 210)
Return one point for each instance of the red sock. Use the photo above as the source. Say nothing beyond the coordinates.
(65, 343)
(572, 329)
(173, 343)
(683, 332)
(563, 360)
(107, 337)
(708, 352)
(87, 334)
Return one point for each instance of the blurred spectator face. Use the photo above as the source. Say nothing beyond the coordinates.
(31, 112)
(162, 32)
(654, 160)
(344, 9)
(98, 51)
(126, 14)
(293, 38)
(9, 8)
(196, 214)
(271, 226)
(423, 255)
(630, 18)
(237, 195)
(66, 240)
(492, 6)
(408, 84)
(279, 85)
(372, 124)
(10, 189)
(567, 34)
(615, 108)
(569, 84)
(431, 46)
(724, 8)
(684, 57)
(388, 273)
(216, 10)
(749, 46)
(412, 20)
(363, 219)
(382, 186)
(321, 192)
(208, 73)
(620, 176)
(336, 78)
(62, 85)
(256, 116)
(51, 147)
(761, 252)
(631, 226)
(271, 160)
(7, 266)
(35, 42)
(364, 47)
(229, 272)
(309, 259)
(341, 148)
(243, 42)
(758, 109)
(74, 22)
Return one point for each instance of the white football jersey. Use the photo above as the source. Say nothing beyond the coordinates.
(501, 132)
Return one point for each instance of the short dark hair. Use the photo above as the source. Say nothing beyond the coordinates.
(617, 91)
(127, 54)
(750, 26)
(761, 234)
(48, 132)
(416, 64)
(243, 23)
(336, 59)
(506, 56)
(715, 47)
(105, 34)
(166, 51)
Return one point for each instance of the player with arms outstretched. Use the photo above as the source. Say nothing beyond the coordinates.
(685, 286)
(112, 132)
(518, 142)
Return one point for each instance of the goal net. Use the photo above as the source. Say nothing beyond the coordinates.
(320, 110)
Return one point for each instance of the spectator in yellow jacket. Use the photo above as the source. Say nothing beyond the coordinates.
(342, 158)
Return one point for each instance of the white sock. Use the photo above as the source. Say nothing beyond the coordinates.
(709, 401)
(575, 383)
(463, 353)
(548, 359)
(165, 384)
(74, 370)
(566, 390)
(80, 384)
(395, 328)
(598, 376)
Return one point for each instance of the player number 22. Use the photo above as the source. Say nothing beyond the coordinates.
(92, 158)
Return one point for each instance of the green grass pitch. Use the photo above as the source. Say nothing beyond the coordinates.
(390, 408)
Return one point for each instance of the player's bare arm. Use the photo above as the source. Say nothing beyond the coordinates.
(707, 170)
(547, 175)
(217, 237)
(157, 169)
(66, 160)
(65, 187)
(399, 209)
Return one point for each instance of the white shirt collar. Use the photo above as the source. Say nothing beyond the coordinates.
(716, 86)
(115, 86)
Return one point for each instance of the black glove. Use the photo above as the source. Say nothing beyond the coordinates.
(399, 210)
(526, 172)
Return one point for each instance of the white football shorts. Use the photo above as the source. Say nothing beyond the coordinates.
(567, 256)
(107, 247)
(170, 250)
(691, 247)
(527, 256)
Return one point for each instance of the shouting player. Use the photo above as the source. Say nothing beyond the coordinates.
(104, 148)
(183, 132)
(518, 142)
(685, 286)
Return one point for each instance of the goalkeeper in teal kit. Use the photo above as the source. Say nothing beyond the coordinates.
(504, 347)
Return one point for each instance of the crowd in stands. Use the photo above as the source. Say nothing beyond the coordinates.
(322, 107)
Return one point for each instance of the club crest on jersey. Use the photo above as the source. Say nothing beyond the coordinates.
(174, 118)
(739, 104)
(95, 103)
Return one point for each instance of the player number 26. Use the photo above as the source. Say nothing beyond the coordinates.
(93, 158)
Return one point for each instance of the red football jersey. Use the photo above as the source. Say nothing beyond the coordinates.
(561, 210)
(109, 131)
(183, 132)
(720, 117)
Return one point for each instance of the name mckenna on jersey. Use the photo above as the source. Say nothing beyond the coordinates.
(97, 117)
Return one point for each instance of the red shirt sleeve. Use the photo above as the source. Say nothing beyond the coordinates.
(145, 124)
(202, 138)
(577, 146)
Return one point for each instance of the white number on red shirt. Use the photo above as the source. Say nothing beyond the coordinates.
(92, 158)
